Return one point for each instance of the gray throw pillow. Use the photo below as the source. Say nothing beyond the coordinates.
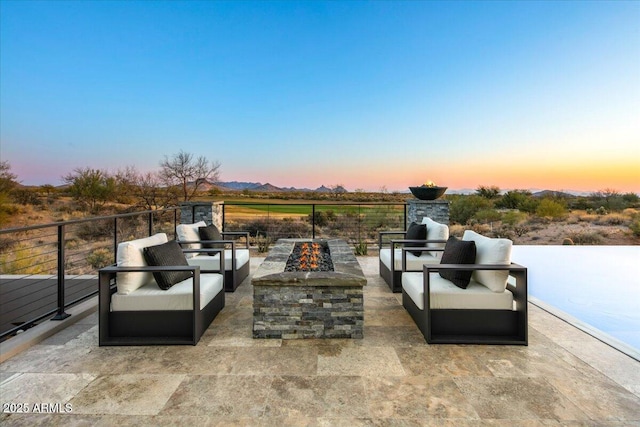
(167, 254)
(458, 251)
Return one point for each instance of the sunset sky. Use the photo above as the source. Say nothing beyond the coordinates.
(367, 94)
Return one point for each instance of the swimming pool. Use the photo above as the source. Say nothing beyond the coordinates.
(595, 285)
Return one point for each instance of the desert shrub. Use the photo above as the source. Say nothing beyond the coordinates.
(456, 230)
(321, 218)
(520, 230)
(631, 199)
(360, 248)
(483, 229)
(6, 244)
(487, 215)
(529, 205)
(514, 217)
(28, 260)
(567, 242)
(586, 238)
(26, 196)
(95, 230)
(263, 242)
(100, 258)
(462, 209)
(612, 219)
(548, 208)
(601, 211)
(635, 225)
(513, 199)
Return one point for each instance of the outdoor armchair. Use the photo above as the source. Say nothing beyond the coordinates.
(236, 255)
(390, 255)
(492, 309)
(161, 304)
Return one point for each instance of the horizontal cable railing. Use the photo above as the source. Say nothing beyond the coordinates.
(45, 269)
(358, 223)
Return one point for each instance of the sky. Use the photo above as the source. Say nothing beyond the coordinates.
(370, 95)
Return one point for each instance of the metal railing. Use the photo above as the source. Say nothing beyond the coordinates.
(357, 223)
(45, 269)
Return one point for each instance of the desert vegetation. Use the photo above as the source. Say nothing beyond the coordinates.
(603, 217)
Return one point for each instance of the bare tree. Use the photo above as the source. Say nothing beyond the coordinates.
(152, 194)
(7, 178)
(188, 173)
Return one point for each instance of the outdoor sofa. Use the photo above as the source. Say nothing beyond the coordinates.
(490, 309)
(428, 233)
(236, 258)
(165, 301)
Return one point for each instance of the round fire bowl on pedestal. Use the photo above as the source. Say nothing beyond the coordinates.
(427, 193)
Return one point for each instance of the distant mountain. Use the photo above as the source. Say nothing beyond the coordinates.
(267, 188)
(257, 186)
(238, 185)
(551, 193)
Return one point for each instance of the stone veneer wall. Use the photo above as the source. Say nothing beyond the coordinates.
(437, 210)
(290, 312)
(209, 212)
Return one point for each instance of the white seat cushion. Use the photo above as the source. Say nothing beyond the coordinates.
(413, 262)
(129, 254)
(445, 294)
(179, 297)
(490, 251)
(207, 262)
(189, 233)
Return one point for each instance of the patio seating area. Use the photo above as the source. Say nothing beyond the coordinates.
(390, 377)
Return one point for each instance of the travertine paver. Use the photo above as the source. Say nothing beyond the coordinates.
(390, 377)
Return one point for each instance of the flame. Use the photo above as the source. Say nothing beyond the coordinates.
(309, 257)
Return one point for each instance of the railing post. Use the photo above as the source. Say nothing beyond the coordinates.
(359, 223)
(175, 223)
(224, 210)
(61, 313)
(404, 222)
(313, 221)
(150, 220)
(115, 239)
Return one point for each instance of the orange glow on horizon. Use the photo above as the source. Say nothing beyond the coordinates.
(620, 175)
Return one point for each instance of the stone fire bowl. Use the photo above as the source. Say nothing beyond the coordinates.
(427, 193)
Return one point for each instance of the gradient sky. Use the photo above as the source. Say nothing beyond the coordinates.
(367, 94)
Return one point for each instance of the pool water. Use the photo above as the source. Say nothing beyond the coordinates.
(597, 285)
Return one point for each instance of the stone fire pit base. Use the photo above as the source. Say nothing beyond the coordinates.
(291, 312)
(327, 304)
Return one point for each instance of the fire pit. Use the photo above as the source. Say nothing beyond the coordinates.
(310, 256)
(308, 289)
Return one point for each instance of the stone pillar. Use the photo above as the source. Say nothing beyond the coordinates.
(437, 210)
(209, 212)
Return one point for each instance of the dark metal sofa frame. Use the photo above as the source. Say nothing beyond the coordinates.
(234, 276)
(391, 276)
(154, 327)
(472, 326)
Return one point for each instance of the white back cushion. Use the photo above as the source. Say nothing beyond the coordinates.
(491, 251)
(436, 231)
(129, 254)
(189, 233)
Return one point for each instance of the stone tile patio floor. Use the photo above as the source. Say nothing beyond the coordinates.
(391, 377)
